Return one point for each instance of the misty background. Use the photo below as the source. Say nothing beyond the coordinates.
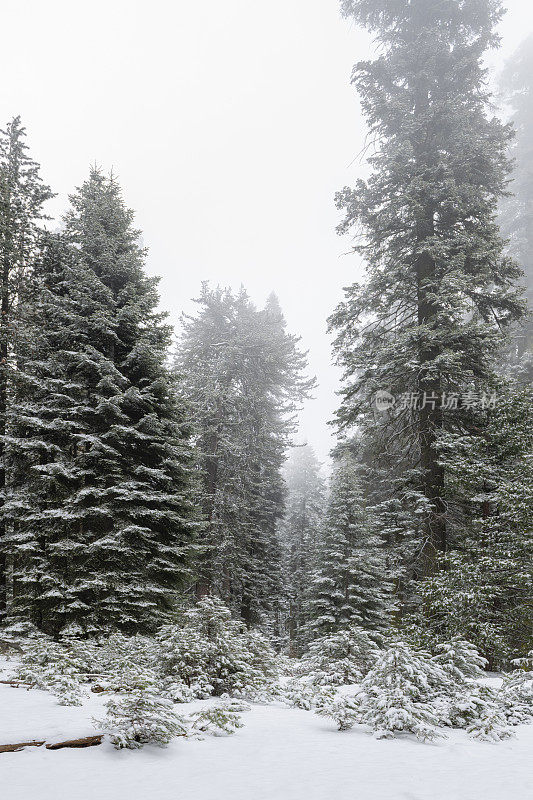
(230, 126)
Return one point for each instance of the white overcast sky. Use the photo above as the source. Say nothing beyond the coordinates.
(230, 125)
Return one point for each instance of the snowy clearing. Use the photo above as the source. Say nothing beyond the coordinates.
(280, 754)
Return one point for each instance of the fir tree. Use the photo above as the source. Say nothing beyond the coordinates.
(212, 653)
(516, 211)
(242, 376)
(351, 582)
(141, 501)
(142, 716)
(459, 660)
(486, 594)
(221, 720)
(300, 533)
(516, 693)
(339, 658)
(426, 322)
(22, 196)
(396, 694)
(56, 429)
(103, 494)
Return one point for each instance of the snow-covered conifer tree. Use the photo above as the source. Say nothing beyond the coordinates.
(516, 210)
(395, 693)
(339, 658)
(135, 503)
(141, 715)
(485, 595)
(351, 583)
(101, 492)
(212, 653)
(62, 368)
(300, 534)
(243, 377)
(22, 196)
(426, 323)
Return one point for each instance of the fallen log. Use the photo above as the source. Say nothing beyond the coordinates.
(14, 748)
(17, 684)
(87, 741)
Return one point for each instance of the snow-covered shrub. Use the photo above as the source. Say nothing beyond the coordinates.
(286, 665)
(212, 653)
(183, 659)
(459, 700)
(410, 691)
(49, 665)
(219, 720)
(37, 662)
(237, 705)
(339, 658)
(67, 690)
(461, 708)
(264, 666)
(482, 710)
(460, 660)
(396, 694)
(491, 726)
(87, 654)
(177, 691)
(304, 694)
(115, 654)
(46, 663)
(516, 693)
(344, 710)
(141, 716)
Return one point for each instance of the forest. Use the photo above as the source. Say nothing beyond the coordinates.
(166, 537)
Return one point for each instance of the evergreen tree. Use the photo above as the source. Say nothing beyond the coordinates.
(300, 533)
(396, 695)
(242, 376)
(212, 653)
(426, 323)
(143, 504)
(22, 196)
(516, 211)
(142, 716)
(351, 582)
(339, 658)
(103, 495)
(459, 660)
(486, 595)
(57, 430)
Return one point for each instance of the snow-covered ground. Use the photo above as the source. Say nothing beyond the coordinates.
(280, 754)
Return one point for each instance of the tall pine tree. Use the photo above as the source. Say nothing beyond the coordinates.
(516, 212)
(22, 197)
(243, 377)
(104, 496)
(300, 533)
(486, 594)
(427, 321)
(56, 429)
(350, 585)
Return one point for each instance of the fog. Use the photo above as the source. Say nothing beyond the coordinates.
(230, 127)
